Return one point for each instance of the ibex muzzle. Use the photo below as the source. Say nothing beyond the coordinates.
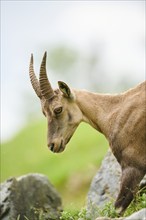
(59, 107)
(121, 118)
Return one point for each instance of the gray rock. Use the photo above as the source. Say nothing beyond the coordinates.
(140, 215)
(30, 196)
(106, 218)
(105, 185)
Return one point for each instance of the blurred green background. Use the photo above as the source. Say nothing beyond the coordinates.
(70, 172)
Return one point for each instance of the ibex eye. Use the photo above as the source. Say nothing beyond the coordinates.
(58, 110)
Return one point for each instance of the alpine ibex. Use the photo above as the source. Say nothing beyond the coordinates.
(121, 118)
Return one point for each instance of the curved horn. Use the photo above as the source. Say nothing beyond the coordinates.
(33, 79)
(45, 85)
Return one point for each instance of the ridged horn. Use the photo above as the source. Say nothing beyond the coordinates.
(33, 78)
(45, 86)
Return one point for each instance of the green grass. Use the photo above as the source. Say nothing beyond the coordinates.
(70, 172)
(139, 202)
(107, 211)
(74, 215)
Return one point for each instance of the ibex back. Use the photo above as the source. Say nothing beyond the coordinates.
(121, 118)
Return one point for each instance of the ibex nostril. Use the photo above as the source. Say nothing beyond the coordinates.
(52, 147)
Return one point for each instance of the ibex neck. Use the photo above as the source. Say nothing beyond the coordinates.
(97, 109)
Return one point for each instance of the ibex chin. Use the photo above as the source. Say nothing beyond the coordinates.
(121, 118)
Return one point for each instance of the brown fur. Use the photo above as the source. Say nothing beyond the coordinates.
(121, 118)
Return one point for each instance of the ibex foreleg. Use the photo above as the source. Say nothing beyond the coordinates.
(131, 178)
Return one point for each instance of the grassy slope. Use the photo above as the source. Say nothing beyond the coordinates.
(71, 171)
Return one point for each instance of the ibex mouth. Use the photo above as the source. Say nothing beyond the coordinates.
(57, 149)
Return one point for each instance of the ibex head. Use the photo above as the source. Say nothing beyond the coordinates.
(59, 107)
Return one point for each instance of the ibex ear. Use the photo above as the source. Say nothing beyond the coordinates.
(65, 89)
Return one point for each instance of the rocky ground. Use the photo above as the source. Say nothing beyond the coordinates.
(33, 197)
